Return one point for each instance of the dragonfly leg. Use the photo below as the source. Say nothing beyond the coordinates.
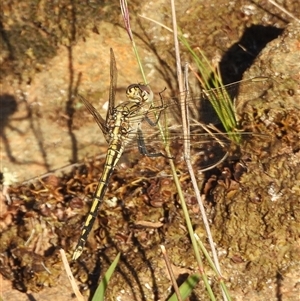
(153, 123)
(140, 139)
(157, 109)
(143, 149)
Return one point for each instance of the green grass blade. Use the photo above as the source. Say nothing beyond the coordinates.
(219, 99)
(100, 292)
(186, 287)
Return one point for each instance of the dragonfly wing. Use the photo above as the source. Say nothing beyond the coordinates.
(207, 142)
(199, 105)
(98, 118)
(113, 84)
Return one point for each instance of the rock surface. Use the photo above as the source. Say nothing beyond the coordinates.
(52, 50)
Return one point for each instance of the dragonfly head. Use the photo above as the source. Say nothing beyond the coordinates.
(139, 93)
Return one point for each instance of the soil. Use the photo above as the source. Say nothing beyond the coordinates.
(52, 151)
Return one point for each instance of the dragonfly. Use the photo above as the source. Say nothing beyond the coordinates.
(122, 123)
(125, 125)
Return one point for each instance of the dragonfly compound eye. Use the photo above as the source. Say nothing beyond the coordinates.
(139, 93)
(133, 92)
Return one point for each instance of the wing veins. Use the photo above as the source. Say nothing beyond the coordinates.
(98, 118)
(113, 84)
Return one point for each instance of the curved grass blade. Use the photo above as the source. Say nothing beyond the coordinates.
(186, 287)
(100, 292)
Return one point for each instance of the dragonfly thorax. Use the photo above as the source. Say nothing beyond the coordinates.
(119, 124)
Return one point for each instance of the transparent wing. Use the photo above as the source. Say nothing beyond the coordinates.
(167, 111)
(200, 108)
(206, 141)
(161, 124)
(113, 83)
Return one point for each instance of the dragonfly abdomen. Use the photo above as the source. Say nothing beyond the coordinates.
(112, 157)
(115, 150)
